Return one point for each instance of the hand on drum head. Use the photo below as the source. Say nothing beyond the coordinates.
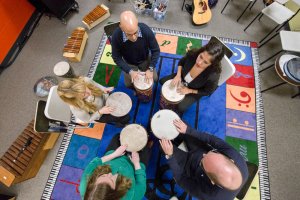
(106, 110)
(120, 150)
(176, 81)
(149, 76)
(133, 75)
(108, 90)
(166, 146)
(180, 125)
(183, 90)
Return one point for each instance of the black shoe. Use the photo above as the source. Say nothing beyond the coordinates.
(189, 8)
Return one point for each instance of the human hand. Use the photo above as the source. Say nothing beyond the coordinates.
(149, 76)
(120, 151)
(180, 126)
(106, 110)
(176, 81)
(108, 90)
(133, 75)
(183, 90)
(166, 146)
(135, 159)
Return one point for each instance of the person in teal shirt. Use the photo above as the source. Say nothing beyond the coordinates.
(115, 175)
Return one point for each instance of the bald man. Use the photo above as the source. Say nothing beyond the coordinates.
(210, 170)
(134, 48)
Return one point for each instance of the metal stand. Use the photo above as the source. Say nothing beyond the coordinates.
(253, 4)
(223, 7)
(253, 20)
(249, 4)
(298, 94)
(269, 33)
(259, 46)
(271, 57)
(244, 10)
(273, 87)
(266, 68)
(181, 6)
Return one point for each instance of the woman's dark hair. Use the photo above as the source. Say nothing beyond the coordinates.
(103, 191)
(216, 50)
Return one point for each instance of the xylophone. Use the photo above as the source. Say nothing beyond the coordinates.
(97, 15)
(73, 49)
(25, 156)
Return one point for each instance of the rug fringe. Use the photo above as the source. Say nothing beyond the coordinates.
(264, 182)
(57, 164)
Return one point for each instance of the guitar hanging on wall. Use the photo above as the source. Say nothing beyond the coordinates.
(202, 12)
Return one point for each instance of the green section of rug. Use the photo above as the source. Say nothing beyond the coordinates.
(247, 148)
(107, 75)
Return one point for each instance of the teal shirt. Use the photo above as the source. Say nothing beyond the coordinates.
(121, 165)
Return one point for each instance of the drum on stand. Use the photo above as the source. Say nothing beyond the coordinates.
(121, 102)
(143, 89)
(63, 69)
(134, 136)
(170, 98)
(162, 124)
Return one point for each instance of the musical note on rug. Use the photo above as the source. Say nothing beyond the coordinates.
(244, 151)
(108, 73)
(165, 42)
(72, 183)
(241, 54)
(245, 126)
(188, 46)
(244, 95)
(83, 151)
(108, 54)
(238, 74)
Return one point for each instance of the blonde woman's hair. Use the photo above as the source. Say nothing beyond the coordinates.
(102, 191)
(73, 90)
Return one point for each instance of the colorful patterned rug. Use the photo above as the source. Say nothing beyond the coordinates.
(233, 112)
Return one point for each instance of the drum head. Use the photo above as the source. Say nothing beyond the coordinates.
(170, 92)
(162, 124)
(135, 136)
(61, 68)
(140, 83)
(42, 86)
(121, 102)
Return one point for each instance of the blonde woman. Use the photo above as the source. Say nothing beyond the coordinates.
(87, 101)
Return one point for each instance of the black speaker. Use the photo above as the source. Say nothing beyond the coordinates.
(58, 8)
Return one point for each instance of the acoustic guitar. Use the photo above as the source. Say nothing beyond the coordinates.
(202, 12)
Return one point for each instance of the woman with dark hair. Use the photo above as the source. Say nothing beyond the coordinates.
(199, 71)
(115, 175)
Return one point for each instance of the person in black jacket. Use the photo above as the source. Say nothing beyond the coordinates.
(210, 170)
(199, 71)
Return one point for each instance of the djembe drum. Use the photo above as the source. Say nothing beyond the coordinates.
(121, 102)
(134, 136)
(63, 69)
(143, 89)
(162, 124)
(170, 98)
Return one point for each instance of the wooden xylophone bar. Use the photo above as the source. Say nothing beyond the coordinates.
(97, 15)
(73, 48)
(94, 15)
(26, 154)
(74, 41)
